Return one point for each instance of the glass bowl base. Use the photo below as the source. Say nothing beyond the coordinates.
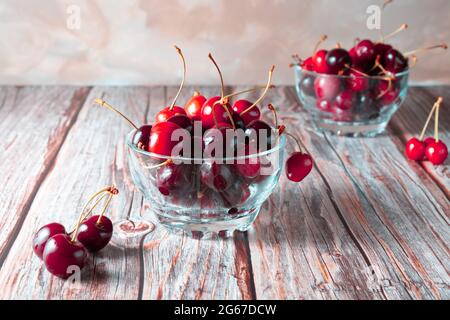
(201, 225)
(350, 129)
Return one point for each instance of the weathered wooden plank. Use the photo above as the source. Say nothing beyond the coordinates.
(410, 119)
(92, 156)
(395, 222)
(179, 267)
(300, 247)
(33, 124)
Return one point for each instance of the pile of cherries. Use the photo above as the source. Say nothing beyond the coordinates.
(215, 115)
(65, 252)
(431, 149)
(370, 79)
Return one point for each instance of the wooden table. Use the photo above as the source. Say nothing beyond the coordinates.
(366, 224)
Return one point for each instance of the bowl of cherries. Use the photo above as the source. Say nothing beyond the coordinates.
(355, 92)
(207, 167)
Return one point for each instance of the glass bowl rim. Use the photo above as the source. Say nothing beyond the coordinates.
(300, 69)
(280, 146)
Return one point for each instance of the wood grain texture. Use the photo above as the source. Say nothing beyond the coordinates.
(34, 122)
(92, 157)
(366, 224)
(397, 225)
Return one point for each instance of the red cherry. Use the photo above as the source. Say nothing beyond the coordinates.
(61, 253)
(94, 234)
(323, 105)
(193, 107)
(394, 61)
(298, 166)
(142, 136)
(436, 152)
(182, 121)
(357, 82)
(386, 93)
(207, 114)
(428, 140)
(320, 62)
(248, 168)
(415, 149)
(242, 105)
(382, 48)
(166, 113)
(258, 128)
(218, 177)
(308, 64)
(364, 54)
(161, 138)
(46, 232)
(327, 87)
(345, 100)
(337, 60)
(172, 179)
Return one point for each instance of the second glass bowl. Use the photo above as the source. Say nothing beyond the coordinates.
(350, 105)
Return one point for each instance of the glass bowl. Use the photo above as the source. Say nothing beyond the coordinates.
(182, 193)
(350, 105)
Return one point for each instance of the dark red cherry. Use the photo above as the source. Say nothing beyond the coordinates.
(235, 196)
(167, 113)
(357, 82)
(161, 138)
(307, 86)
(364, 54)
(382, 48)
(207, 114)
(415, 149)
(46, 232)
(193, 107)
(218, 177)
(182, 121)
(394, 61)
(320, 62)
(238, 121)
(308, 64)
(172, 178)
(298, 166)
(253, 114)
(95, 234)
(327, 87)
(216, 137)
(259, 129)
(337, 60)
(323, 105)
(345, 100)
(142, 136)
(428, 141)
(386, 93)
(249, 167)
(436, 152)
(61, 254)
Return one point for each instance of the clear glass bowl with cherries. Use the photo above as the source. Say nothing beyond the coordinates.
(206, 168)
(355, 92)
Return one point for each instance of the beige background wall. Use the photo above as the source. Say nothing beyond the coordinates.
(130, 41)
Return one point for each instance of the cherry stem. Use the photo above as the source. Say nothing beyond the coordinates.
(274, 112)
(438, 46)
(385, 4)
(103, 103)
(83, 215)
(263, 94)
(245, 91)
(296, 141)
(430, 115)
(220, 74)
(436, 120)
(400, 29)
(159, 164)
(223, 103)
(88, 212)
(321, 40)
(338, 45)
(356, 70)
(180, 53)
(104, 209)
